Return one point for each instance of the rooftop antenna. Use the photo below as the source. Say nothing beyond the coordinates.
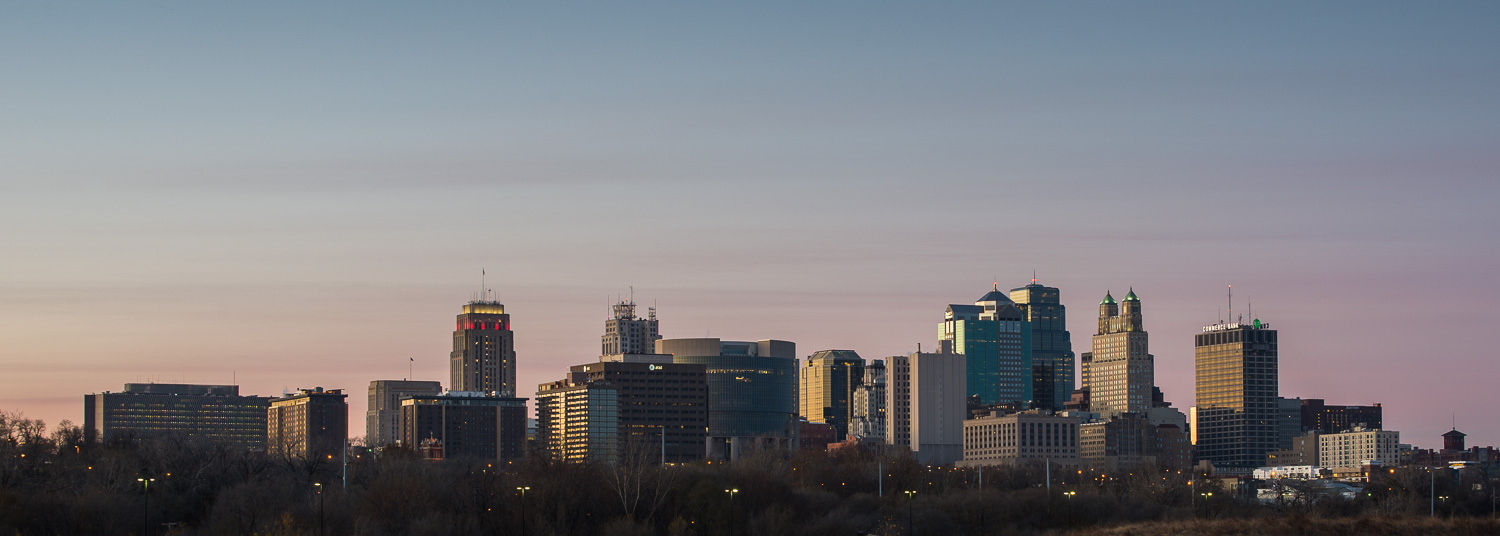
(1231, 301)
(1033, 276)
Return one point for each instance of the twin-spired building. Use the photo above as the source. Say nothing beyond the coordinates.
(1121, 372)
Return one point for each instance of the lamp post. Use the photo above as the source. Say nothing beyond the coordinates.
(731, 493)
(146, 505)
(1069, 495)
(910, 498)
(319, 486)
(523, 489)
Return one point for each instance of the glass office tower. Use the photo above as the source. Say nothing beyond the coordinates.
(752, 391)
(1051, 344)
(992, 335)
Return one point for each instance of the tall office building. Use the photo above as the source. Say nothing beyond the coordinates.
(627, 334)
(827, 382)
(383, 414)
(926, 404)
(868, 404)
(1121, 371)
(154, 410)
(310, 423)
(607, 411)
(461, 424)
(752, 392)
(1050, 344)
(991, 335)
(1236, 424)
(484, 350)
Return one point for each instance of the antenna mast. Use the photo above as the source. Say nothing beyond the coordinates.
(1231, 302)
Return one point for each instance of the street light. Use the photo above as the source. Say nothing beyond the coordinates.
(910, 494)
(523, 489)
(731, 493)
(1069, 495)
(319, 486)
(145, 506)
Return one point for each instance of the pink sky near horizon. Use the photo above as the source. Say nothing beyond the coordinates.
(299, 196)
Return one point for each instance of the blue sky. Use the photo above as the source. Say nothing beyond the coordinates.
(299, 195)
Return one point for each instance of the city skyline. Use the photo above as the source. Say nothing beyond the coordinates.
(284, 198)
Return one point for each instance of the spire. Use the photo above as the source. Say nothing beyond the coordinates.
(1108, 300)
(1131, 295)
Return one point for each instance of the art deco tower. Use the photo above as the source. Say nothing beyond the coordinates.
(484, 351)
(1122, 371)
(628, 334)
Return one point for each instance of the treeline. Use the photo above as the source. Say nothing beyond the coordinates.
(58, 484)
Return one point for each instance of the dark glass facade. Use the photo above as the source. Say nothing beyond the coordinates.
(1237, 390)
(1051, 346)
(480, 427)
(749, 395)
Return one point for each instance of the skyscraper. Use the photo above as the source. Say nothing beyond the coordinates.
(1237, 388)
(383, 414)
(484, 351)
(627, 334)
(991, 336)
(827, 381)
(1121, 370)
(1050, 344)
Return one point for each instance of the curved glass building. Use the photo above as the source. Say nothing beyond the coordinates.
(752, 391)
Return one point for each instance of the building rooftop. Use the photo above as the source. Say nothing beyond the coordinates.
(1108, 300)
(994, 295)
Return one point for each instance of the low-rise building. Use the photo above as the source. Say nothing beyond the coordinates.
(1358, 448)
(1035, 436)
(155, 410)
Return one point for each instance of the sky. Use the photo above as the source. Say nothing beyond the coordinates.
(285, 195)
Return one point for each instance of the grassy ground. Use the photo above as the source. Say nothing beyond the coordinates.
(1304, 526)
